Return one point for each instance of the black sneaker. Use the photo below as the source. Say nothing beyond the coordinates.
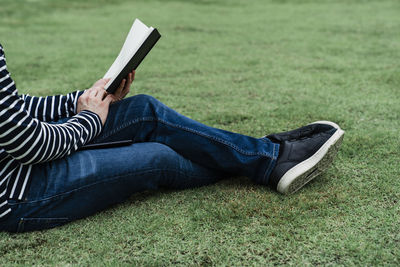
(304, 154)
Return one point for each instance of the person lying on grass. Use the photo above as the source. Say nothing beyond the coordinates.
(46, 180)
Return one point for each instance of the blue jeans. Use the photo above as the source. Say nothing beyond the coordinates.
(169, 151)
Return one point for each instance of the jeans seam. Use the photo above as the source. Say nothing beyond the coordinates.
(96, 183)
(273, 161)
(150, 119)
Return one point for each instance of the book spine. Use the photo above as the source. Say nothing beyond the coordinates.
(135, 61)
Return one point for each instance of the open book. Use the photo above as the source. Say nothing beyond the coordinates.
(138, 43)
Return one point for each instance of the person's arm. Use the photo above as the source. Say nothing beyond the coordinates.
(52, 108)
(31, 141)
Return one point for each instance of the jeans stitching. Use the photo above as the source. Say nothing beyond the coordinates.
(152, 119)
(268, 169)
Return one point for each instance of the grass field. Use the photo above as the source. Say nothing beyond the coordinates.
(254, 67)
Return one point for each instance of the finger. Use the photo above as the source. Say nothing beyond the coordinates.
(124, 92)
(87, 92)
(128, 84)
(101, 82)
(108, 99)
(100, 91)
(97, 92)
(103, 94)
(120, 88)
(105, 81)
(92, 92)
(114, 98)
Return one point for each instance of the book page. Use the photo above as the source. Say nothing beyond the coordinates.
(136, 36)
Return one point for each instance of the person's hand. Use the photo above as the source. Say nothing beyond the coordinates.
(95, 99)
(123, 88)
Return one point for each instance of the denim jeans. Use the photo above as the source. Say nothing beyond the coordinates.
(169, 151)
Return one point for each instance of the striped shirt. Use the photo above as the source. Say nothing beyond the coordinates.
(27, 137)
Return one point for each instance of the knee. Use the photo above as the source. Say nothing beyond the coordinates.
(144, 103)
(138, 99)
(143, 98)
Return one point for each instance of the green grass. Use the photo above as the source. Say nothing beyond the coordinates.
(254, 67)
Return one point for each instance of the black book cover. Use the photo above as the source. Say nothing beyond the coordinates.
(137, 58)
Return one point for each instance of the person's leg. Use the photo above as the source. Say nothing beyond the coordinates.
(89, 181)
(142, 118)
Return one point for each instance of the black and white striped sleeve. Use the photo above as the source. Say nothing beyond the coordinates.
(52, 108)
(29, 140)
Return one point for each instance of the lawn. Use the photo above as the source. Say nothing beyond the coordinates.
(253, 67)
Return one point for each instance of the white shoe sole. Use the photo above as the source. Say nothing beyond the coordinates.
(305, 171)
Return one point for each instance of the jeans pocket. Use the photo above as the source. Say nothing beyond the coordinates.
(34, 224)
